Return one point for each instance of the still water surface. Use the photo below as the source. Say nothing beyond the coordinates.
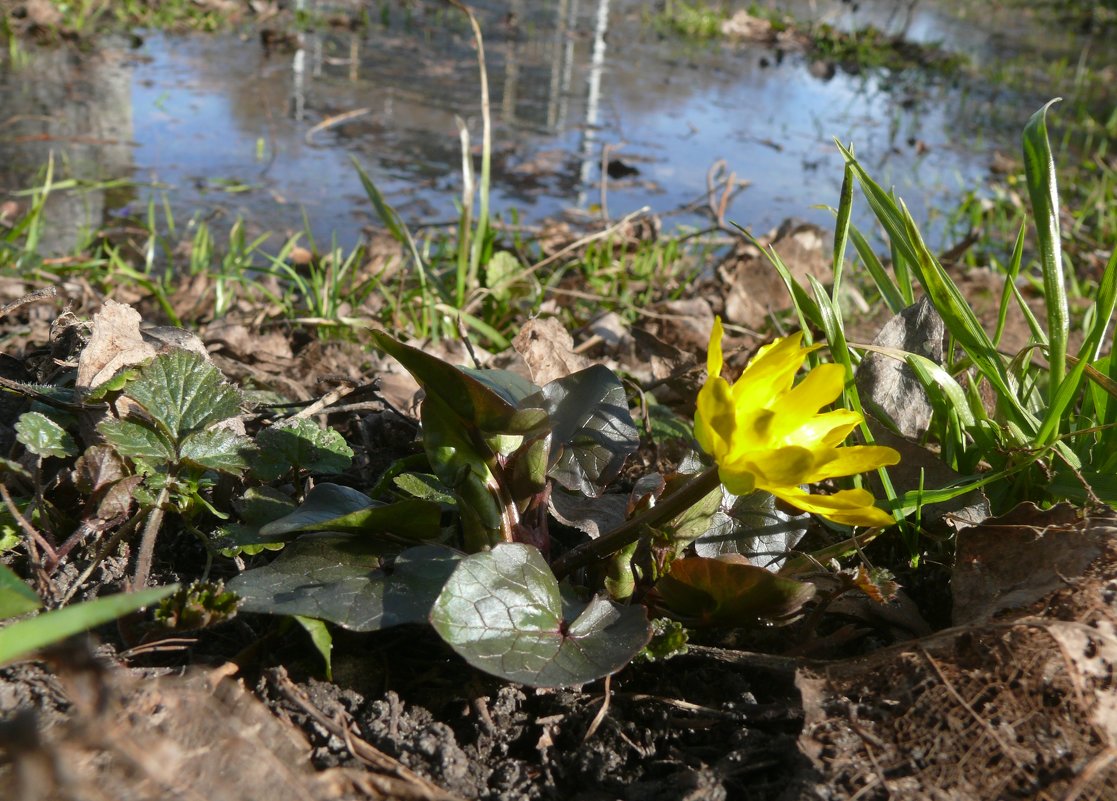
(222, 127)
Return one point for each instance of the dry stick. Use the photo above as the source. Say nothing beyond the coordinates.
(31, 297)
(629, 531)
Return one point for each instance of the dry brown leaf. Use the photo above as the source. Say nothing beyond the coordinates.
(548, 349)
(115, 342)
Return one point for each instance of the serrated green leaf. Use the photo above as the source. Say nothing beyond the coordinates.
(502, 611)
(216, 449)
(331, 507)
(592, 432)
(300, 444)
(727, 592)
(16, 598)
(183, 392)
(44, 437)
(340, 580)
(138, 441)
(27, 636)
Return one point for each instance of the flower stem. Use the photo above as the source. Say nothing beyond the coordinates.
(630, 530)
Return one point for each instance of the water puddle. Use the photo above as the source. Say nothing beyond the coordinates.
(225, 126)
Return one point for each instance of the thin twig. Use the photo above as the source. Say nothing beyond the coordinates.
(26, 526)
(47, 292)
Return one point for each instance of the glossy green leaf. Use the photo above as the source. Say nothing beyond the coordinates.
(762, 532)
(300, 444)
(425, 486)
(16, 598)
(331, 507)
(44, 437)
(502, 611)
(727, 592)
(184, 392)
(217, 449)
(27, 636)
(341, 581)
(592, 432)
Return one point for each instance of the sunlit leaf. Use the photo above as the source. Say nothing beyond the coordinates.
(340, 580)
(44, 437)
(727, 592)
(762, 532)
(592, 432)
(502, 611)
(184, 392)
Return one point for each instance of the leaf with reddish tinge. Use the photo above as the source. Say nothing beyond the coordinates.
(727, 591)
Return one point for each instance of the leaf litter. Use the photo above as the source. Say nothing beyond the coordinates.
(714, 722)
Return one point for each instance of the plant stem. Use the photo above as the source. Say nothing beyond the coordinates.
(629, 531)
(147, 542)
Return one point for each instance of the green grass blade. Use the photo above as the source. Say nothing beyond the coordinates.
(1039, 167)
(1010, 280)
(841, 230)
(27, 636)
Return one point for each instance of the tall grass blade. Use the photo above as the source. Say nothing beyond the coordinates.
(1039, 167)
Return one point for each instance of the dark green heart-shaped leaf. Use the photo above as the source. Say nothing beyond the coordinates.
(728, 592)
(502, 611)
(331, 507)
(44, 437)
(341, 581)
(300, 444)
(486, 400)
(183, 392)
(753, 526)
(592, 432)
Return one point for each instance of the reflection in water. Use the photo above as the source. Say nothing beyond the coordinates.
(229, 128)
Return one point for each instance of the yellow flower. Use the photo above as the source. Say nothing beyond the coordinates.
(766, 433)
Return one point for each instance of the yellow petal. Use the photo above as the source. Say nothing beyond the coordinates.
(797, 407)
(715, 417)
(826, 430)
(714, 357)
(781, 467)
(848, 507)
(855, 459)
(771, 372)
